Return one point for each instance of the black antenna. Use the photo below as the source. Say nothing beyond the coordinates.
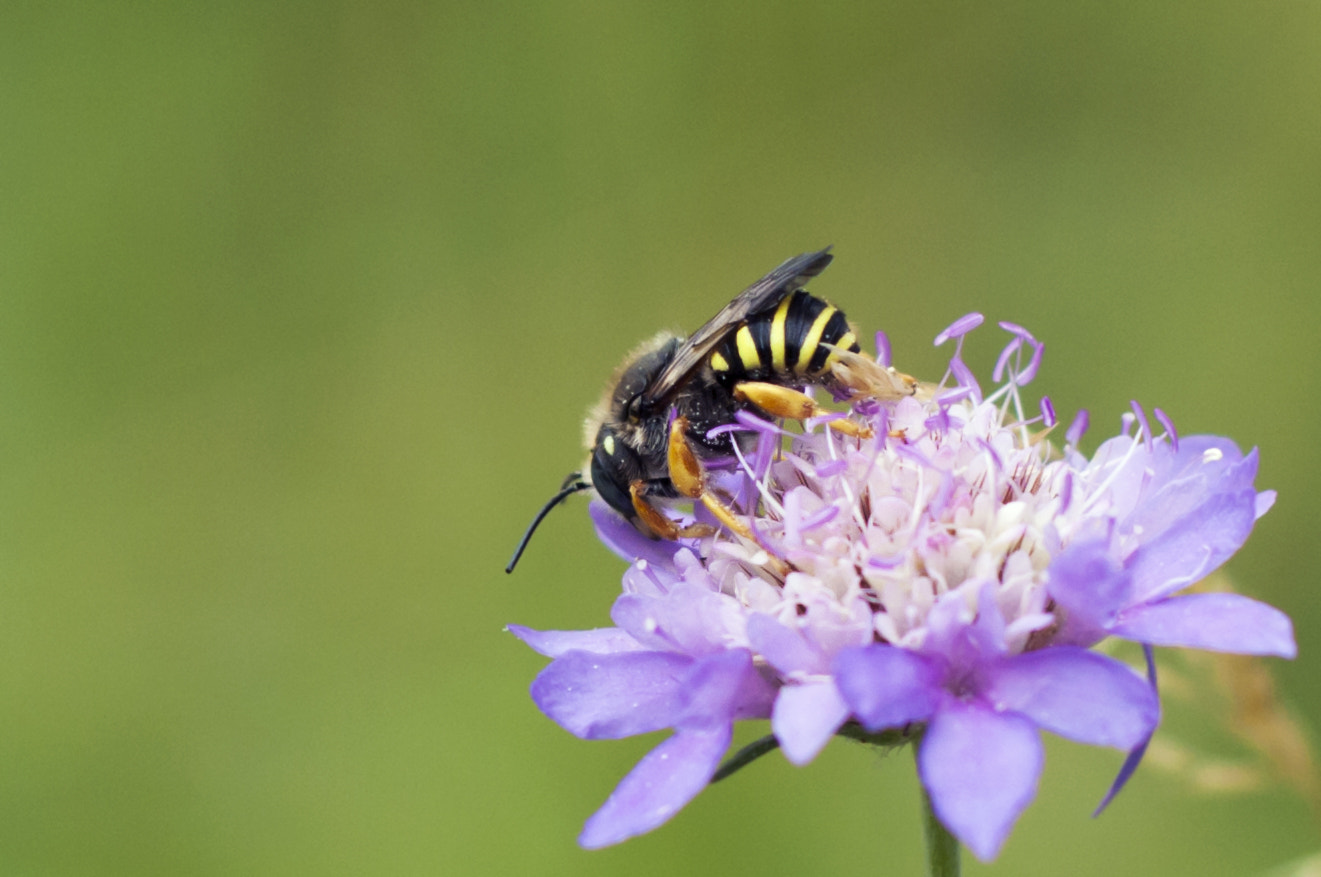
(573, 484)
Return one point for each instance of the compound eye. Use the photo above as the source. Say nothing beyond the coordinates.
(632, 408)
(613, 465)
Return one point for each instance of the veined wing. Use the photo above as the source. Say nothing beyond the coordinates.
(765, 293)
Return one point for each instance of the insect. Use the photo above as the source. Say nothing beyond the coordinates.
(649, 435)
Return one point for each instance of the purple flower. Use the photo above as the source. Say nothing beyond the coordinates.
(666, 666)
(980, 755)
(943, 581)
(1183, 511)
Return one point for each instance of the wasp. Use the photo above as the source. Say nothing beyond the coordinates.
(649, 435)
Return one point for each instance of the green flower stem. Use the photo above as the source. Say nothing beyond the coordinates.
(942, 847)
(745, 756)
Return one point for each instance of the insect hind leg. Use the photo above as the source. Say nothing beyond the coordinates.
(792, 404)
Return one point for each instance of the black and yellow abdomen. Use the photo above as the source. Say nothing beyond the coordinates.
(787, 344)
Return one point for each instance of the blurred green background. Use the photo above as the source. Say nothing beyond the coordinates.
(303, 305)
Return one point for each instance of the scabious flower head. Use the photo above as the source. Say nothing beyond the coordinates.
(945, 579)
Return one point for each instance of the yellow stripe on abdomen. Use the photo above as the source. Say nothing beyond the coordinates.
(847, 340)
(719, 363)
(777, 334)
(747, 349)
(813, 338)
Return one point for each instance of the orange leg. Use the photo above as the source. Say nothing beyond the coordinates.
(657, 522)
(689, 478)
(789, 403)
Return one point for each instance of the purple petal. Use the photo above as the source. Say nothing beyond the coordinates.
(725, 686)
(961, 638)
(1077, 694)
(1265, 500)
(987, 632)
(623, 538)
(1066, 491)
(1118, 464)
(1126, 771)
(1218, 622)
(1194, 547)
(553, 643)
(1134, 758)
(888, 687)
(689, 618)
(806, 717)
(666, 779)
(831, 469)
(947, 625)
(1181, 481)
(1090, 587)
(783, 648)
(1216, 460)
(608, 696)
(980, 769)
(649, 579)
(830, 626)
